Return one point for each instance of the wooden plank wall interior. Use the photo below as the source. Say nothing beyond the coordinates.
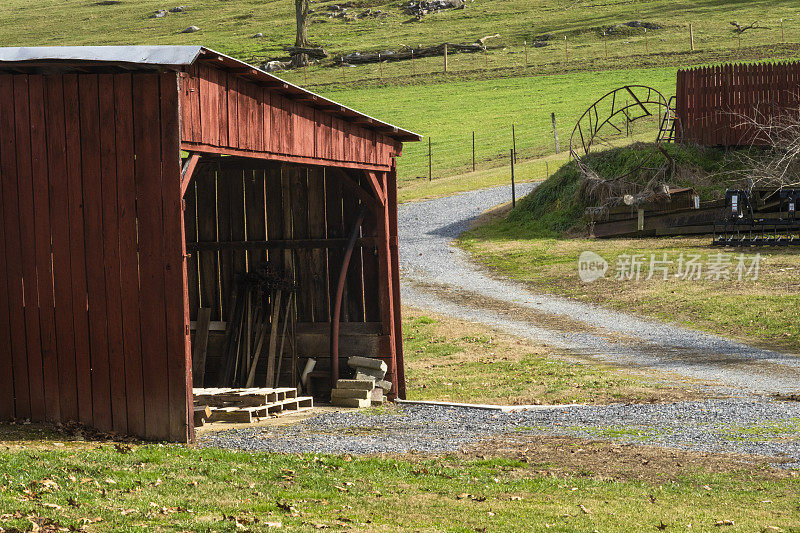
(238, 209)
(91, 252)
(224, 111)
(712, 101)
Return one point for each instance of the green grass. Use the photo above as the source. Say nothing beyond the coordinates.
(539, 244)
(451, 360)
(766, 431)
(474, 96)
(104, 487)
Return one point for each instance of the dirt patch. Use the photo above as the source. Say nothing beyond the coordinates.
(568, 456)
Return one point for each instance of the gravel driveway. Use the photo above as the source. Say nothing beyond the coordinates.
(440, 277)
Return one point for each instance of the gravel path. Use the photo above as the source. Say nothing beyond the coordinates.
(437, 276)
(440, 277)
(706, 426)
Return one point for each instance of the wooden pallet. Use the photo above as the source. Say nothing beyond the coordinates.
(249, 405)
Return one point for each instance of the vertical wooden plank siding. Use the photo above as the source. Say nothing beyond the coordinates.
(62, 271)
(714, 103)
(111, 250)
(173, 261)
(27, 229)
(93, 234)
(316, 230)
(11, 307)
(77, 247)
(42, 241)
(151, 227)
(128, 256)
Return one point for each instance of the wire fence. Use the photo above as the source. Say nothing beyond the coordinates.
(719, 41)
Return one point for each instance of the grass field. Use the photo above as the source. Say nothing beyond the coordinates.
(484, 94)
(540, 242)
(48, 481)
(449, 359)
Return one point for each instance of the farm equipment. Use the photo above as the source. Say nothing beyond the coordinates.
(759, 218)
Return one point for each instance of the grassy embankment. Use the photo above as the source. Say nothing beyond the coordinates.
(539, 243)
(50, 480)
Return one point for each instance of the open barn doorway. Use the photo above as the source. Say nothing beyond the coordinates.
(266, 243)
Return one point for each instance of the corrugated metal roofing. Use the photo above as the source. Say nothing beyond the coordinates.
(178, 57)
(170, 56)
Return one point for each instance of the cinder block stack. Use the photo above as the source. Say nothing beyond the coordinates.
(366, 389)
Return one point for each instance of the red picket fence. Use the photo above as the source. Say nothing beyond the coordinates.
(714, 103)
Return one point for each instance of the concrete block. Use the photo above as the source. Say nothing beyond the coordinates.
(385, 385)
(366, 362)
(376, 395)
(361, 384)
(350, 402)
(369, 373)
(351, 393)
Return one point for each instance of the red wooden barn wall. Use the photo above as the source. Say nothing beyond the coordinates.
(225, 112)
(713, 101)
(91, 276)
(229, 113)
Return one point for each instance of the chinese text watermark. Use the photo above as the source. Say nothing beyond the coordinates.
(663, 266)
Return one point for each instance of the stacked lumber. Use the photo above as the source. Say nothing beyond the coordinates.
(249, 404)
(366, 389)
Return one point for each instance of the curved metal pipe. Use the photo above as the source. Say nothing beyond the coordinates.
(337, 305)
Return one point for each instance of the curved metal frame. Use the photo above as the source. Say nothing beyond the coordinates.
(667, 121)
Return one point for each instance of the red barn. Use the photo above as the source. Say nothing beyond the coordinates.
(136, 184)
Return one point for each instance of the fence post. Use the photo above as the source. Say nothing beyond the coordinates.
(514, 142)
(380, 66)
(473, 151)
(605, 43)
(691, 37)
(486, 55)
(344, 78)
(445, 58)
(781, 30)
(430, 161)
(566, 51)
(555, 131)
(305, 71)
(412, 62)
(513, 186)
(646, 48)
(525, 43)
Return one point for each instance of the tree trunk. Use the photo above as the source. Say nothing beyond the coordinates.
(301, 40)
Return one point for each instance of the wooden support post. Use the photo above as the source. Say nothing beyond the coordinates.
(646, 48)
(525, 44)
(555, 131)
(566, 51)
(781, 30)
(605, 43)
(445, 58)
(188, 171)
(380, 67)
(344, 79)
(386, 289)
(412, 62)
(691, 37)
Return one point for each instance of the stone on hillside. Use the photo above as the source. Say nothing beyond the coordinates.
(178, 9)
(258, 35)
(191, 29)
(159, 14)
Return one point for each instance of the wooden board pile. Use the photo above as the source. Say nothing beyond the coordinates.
(256, 330)
(366, 389)
(247, 405)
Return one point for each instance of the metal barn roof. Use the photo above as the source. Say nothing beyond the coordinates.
(49, 58)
